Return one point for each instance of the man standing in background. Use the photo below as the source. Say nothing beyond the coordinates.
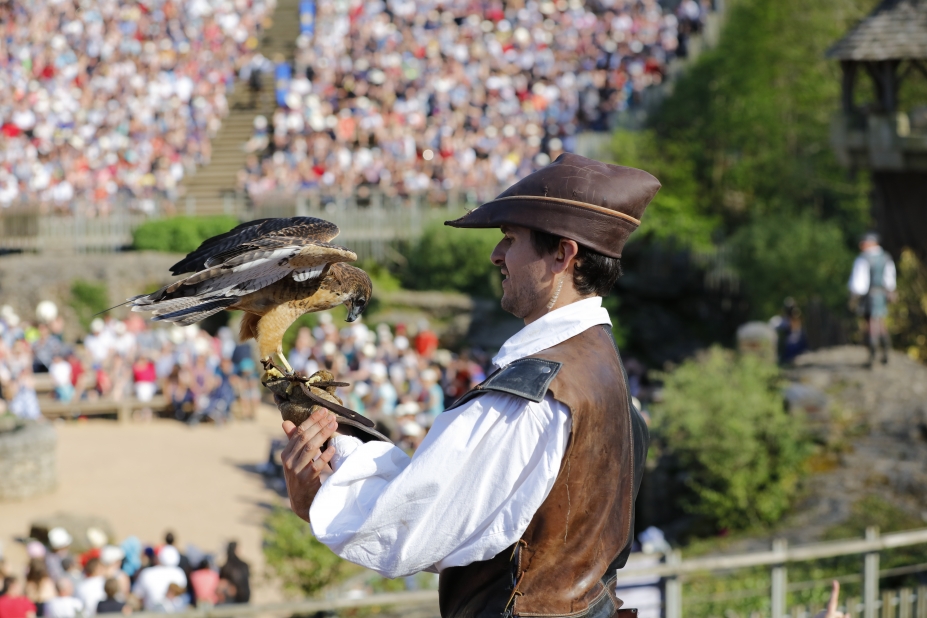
(872, 287)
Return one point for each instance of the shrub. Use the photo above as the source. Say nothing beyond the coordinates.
(723, 420)
(179, 234)
(87, 299)
(301, 562)
(800, 256)
(908, 316)
(455, 260)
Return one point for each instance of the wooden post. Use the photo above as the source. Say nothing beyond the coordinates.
(871, 577)
(921, 602)
(779, 581)
(905, 603)
(673, 601)
(888, 607)
(124, 412)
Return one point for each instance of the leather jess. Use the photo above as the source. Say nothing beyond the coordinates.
(565, 563)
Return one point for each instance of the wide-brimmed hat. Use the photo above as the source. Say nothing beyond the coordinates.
(596, 204)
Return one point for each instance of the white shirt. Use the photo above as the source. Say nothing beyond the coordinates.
(153, 582)
(859, 278)
(90, 592)
(63, 607)
(471, 488)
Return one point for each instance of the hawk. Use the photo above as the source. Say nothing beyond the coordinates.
(274, 270)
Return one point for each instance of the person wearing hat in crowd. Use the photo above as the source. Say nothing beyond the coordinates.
(872, 287)
(152, 583)
(522, 494)
(59, 542)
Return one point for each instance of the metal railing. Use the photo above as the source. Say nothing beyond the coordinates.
(675, 570)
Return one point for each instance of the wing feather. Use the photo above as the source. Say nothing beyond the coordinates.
(308, 229)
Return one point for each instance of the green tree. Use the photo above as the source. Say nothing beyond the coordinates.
(722, 418)
(300, 561)
(455, 260)
(179, 234)
(87, 299)
(802, 257)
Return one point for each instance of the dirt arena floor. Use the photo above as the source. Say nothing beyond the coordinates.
(147, 478)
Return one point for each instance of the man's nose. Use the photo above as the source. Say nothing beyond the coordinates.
(498, 255)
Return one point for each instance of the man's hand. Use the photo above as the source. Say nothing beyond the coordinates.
(831, 611)
(303, 459)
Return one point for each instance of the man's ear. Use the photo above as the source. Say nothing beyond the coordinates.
(565, 256)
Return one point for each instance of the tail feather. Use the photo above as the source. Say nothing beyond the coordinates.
(189, 315)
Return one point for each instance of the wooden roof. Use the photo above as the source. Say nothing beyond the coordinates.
(895, 30)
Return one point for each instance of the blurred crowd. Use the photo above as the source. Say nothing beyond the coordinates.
(452, 95)
(65, 579)
(398, 376)
(109, 99)
(200, 376)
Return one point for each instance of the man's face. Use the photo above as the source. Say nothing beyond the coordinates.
(525, 273)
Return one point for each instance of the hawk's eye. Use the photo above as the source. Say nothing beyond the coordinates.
(361, 302)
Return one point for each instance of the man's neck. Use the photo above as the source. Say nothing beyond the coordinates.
(567, 297)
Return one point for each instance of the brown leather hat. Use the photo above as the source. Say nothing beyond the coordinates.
(596, 204)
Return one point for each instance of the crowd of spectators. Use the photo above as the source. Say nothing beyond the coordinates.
(105, 578)
(109, 99)
(397, 376)
(453, 95)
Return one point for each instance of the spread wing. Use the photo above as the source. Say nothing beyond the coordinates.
(308, 228)
(229, 269)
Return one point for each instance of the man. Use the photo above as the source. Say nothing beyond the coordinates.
(872, 287)
(13, 603)
(522, 494)
(65, 605)
(152, 583)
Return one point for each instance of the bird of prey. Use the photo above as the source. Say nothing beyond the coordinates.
(274, 270)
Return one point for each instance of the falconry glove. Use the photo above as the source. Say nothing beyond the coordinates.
(298, 397)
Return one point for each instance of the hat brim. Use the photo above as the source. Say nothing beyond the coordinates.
(599, 229)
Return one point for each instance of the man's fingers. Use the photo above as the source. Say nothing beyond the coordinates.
(834, 599)
(288, 428)
(301, 435)
(307, 448)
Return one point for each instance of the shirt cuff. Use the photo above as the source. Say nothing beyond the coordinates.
(344, 447)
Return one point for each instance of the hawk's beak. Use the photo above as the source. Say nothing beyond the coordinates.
(353, 312)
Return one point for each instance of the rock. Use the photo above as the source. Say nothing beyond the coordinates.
(757, 338)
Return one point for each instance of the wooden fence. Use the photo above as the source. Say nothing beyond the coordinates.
(369, 225)
(905, 603)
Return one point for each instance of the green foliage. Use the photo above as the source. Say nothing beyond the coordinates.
(179, 234)
(752, 115)
(452, 259)
(723, 419)
(907, 317)
(674, 212)
(87, 299)
(294, 556)
(801, 256)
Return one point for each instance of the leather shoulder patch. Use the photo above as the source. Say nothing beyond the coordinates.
(528, 378)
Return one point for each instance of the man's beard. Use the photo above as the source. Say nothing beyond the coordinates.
(516, 301)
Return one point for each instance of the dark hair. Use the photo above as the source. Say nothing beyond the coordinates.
(169, 538)
(594, 273)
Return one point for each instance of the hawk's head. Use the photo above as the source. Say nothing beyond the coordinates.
(357, 288)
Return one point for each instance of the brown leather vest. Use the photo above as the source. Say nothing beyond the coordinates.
(564, 564)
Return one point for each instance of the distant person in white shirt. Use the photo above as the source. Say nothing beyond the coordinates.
(65, 605)
(90, 590)
(152, 584)
(521, 496)
(872, 288)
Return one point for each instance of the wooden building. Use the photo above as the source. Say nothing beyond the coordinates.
(886, 135)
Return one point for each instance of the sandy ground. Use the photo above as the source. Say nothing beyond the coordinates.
(147, 478)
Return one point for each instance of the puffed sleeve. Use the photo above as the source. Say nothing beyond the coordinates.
(469, 491)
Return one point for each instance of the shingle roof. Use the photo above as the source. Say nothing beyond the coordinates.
(895, 30)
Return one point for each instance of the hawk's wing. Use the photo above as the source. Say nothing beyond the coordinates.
(229, 271)
(309, 228)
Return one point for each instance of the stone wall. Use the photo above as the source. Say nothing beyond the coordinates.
(27, 461)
